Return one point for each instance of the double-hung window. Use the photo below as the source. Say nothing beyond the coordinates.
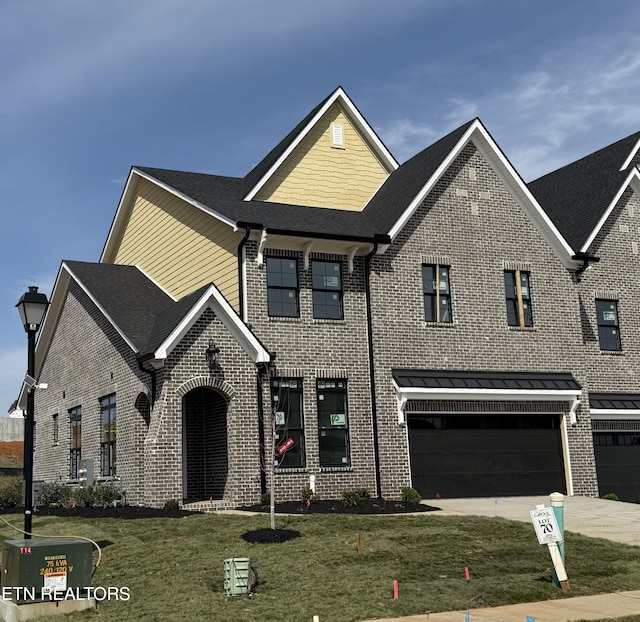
(608, 329)
(518, 297)
(286, 401)
(327, 289)
(75, 440)
(436, 292)
(108, 437)
(282, 287)
(333, 423)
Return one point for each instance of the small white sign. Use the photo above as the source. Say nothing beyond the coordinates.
(55, 582)
(546, 526)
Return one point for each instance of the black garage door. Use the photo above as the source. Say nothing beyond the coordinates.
(618, 464)
(486, 455)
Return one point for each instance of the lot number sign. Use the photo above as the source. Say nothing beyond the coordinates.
(546, 526)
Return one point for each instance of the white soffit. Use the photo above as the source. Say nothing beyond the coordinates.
(378, 147)
(212, 298)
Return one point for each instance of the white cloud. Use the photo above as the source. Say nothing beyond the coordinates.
(404, 138)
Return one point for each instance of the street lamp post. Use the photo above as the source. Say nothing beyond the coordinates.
(32, 307)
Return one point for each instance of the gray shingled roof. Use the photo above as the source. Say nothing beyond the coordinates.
(576, 196)
(225, 196)
(448, 379)
(136, 305)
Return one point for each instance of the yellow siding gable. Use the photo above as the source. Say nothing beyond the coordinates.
(179, 246)
(319, 174)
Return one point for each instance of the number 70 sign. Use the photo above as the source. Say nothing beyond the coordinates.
(546, 526)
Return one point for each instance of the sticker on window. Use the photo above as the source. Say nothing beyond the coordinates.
(609, 316)
(338, 419)
(279, 418)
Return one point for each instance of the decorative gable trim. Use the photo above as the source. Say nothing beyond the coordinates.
(631, 156)
(214, 300)
(632, 181)
(356, 117)
(485, 144)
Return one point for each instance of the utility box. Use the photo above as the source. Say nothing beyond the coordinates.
(36, 569)
(239, 576)
(85, 472)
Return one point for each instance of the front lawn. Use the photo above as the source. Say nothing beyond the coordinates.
(174, 567)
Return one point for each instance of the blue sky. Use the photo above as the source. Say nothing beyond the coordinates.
(89, 89)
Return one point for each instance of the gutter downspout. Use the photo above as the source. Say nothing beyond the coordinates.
(154, 381)
(263, 453)
(245, 237)
(374, 410)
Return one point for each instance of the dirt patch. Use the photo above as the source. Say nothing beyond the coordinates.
(11, 454)
(370, 506)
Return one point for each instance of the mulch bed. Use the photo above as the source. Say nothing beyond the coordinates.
(370, 506)
(126, 512)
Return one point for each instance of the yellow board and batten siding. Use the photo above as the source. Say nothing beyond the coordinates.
(179, 246)
(318, 174)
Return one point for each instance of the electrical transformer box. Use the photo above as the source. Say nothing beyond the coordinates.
(41, 567)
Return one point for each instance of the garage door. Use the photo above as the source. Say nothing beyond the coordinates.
(486, 455)
(618, 464)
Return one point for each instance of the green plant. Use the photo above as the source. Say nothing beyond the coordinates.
(55, 494)
(308, 496)
(612, 496)
(105, 495)
(171, 504)
(352, 498)
(410, 495)
(83, 497)
(10, 492)
(265, 499)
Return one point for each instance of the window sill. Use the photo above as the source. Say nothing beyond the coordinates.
(438, 324)
(326, 320)
(523, 329)
(287, 470)
(283, 318)
(612, 352)
(336, 469)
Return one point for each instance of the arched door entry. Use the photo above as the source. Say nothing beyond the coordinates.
(204, 446)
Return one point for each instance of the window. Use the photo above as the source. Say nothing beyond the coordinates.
(436, 292)
(282, 287)
(518, 294)
(326, 279)
(333, 423)
(108, 440)
(286, 401)
(55, 428)
(75, 440)
(608, 331)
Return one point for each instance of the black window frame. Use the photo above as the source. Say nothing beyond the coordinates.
(322, 290)
(518, 298)
(334, 447)
(277, 287)
(285, 392)
(610, 326)
(56, 429)
(108, 414)
(434, 298)
(75, 440)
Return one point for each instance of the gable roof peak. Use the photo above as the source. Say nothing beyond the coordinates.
(263, 171)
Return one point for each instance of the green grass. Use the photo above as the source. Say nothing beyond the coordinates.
(174, 567)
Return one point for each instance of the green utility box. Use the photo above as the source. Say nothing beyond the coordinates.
(36, 569)
(239, 576)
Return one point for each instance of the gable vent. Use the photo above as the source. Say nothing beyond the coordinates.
(337, 135)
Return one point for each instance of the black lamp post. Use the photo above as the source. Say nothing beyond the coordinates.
(32, 307)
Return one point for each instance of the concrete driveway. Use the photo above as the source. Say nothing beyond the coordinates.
(597, 518)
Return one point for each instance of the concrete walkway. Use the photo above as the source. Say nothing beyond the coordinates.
(596, 518)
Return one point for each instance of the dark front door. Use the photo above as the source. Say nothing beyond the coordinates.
(618, 464)
(486, 455)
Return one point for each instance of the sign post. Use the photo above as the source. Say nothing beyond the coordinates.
(546, 526)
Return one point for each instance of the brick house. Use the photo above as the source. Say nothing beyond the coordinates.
(422, 324)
